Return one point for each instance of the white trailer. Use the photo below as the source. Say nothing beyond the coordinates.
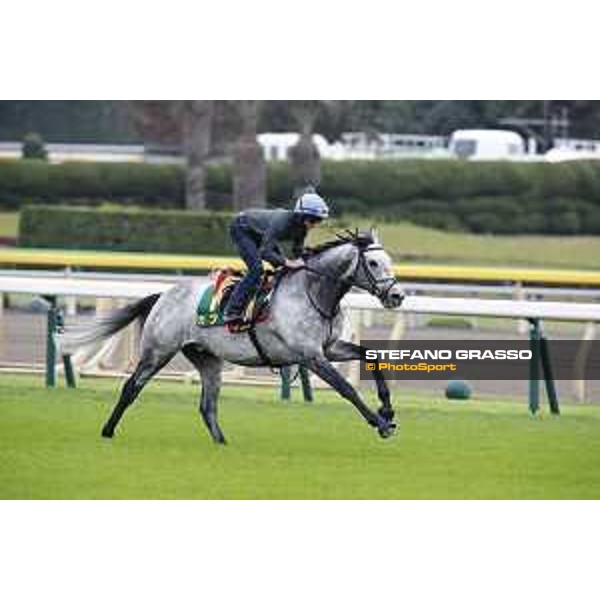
(487, 144)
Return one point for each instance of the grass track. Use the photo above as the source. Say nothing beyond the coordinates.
(50, 447)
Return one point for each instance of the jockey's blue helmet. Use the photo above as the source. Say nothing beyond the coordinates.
(312, 205)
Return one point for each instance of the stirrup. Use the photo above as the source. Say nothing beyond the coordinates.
(238, 325)
(234, 322)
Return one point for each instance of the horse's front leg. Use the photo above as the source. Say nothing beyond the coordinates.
(342, 350)
(328, 373)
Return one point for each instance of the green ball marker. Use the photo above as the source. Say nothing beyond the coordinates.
(458, 390)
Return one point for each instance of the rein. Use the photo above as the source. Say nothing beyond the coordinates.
(373, 288)
(372, 281)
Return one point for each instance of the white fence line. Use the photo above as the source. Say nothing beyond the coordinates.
(475, 307)
(516, 291)
(54, 286)
(120, 288)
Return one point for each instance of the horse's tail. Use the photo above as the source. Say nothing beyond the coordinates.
(106, 326)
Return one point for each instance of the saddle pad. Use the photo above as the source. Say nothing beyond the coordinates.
(213, 299)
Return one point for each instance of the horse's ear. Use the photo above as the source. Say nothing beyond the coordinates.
(375, 234)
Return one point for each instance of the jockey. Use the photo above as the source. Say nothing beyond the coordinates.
(256, 233)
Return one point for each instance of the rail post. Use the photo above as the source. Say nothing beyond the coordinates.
(67, 363)
(286, 385)
(307, 390)
(540, 355)
(50, 343)
(549, 376)
(54, 324)
(580, 361)
(534, 366)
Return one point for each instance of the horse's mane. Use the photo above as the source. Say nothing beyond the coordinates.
(361, 239)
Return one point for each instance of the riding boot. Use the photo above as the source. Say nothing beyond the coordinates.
(241, 296)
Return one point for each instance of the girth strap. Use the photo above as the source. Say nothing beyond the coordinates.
(258, 346)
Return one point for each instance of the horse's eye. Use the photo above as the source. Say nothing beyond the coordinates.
(373, 263)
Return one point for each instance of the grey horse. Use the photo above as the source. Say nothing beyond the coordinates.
(304, 327)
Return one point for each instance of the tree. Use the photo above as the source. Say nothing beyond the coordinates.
(249, 165)
(186, 124)
(196, 116)
(304, 157)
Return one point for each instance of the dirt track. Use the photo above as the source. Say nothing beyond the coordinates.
(22, 340)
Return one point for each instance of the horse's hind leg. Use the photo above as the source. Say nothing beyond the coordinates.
(210, 368)
(150, 363)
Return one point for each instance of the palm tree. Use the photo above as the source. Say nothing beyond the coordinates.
(304, 157)
(186, 123)
(196, 117)
(249, 165)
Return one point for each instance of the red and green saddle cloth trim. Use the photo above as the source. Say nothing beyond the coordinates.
(213, 299)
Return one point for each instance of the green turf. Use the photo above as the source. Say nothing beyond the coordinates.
(50, 447)
(408, 242)
(9, 224)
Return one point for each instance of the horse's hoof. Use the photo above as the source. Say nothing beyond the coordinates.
(387, 430)
(107, 433)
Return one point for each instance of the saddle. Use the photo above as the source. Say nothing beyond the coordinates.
(213, 299)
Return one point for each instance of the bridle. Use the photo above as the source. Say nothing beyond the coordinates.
(373, 284)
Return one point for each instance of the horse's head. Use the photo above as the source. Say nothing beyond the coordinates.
(365, 265)
(374, 270)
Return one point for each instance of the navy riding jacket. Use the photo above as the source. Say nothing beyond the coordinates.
(268, 227)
